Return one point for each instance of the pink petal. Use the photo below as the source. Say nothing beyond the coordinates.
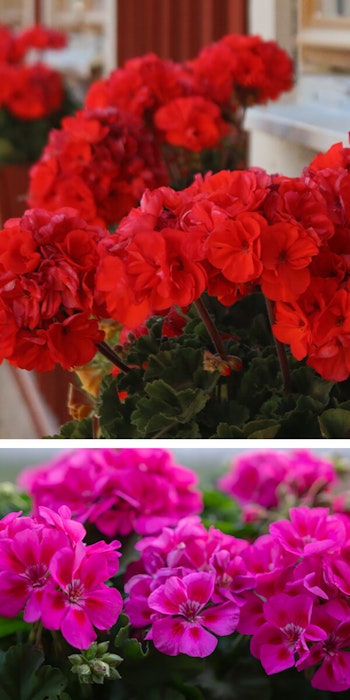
(169, 597)
(281, 609)
(166, 635)
(26, 547)
(54, 606)
(325, 678)
(13, 594)
(275, 658)
(196, 641)
(61, 566)
(103, 607)
(32, 611)
(200, 586)
(221, 619)
(77, 628)
(93, 571)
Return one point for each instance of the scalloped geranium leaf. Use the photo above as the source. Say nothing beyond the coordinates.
(164, 407)
(263, 428)
(75, 430)
(259, 381)
(24, 677)
(113, 414)
(306, 381)
(302, 421)
(335, 423)
(226, 431)
(181, 368)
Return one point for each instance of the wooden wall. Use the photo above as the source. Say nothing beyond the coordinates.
(176, 29)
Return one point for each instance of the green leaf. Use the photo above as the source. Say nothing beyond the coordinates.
(75, 430)
(262, 428)
(181, 368)
(10, 625)
(130, 648)
(259, 381)
(306, 381)
(335, 423)
(24, 677)
(302, 420)
(226, 432)
(113, 414)
(165, 407)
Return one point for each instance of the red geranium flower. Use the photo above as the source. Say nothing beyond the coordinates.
(192, 122)
(100, 162)
(47, 266)
(73, 342)
(287, 251)
(234, 247)
(36, 92)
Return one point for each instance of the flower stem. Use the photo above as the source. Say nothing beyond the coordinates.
(211, 328)
(112, 356)
(281, 351)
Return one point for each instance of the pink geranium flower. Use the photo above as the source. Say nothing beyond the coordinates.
(120, 491)
(310, 531)
(183, 616)
(24, 562)
(331, 656)
(286, 632)
(78, 600)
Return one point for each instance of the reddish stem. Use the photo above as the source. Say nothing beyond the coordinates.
(281, 351)
(112, 356)
(211, 328)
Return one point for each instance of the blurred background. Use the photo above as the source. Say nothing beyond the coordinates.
(208, 462)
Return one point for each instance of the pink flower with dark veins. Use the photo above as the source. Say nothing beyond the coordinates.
(184, 620)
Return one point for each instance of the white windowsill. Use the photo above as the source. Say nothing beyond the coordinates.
(316, 115)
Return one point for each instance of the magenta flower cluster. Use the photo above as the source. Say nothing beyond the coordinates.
(289, 590)
(50, 574)
(299, 610)
(187, 587)
(269, 479)
(120, 491)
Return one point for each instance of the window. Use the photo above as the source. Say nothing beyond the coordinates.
(17, 13)
(323, 36)
(91, 26)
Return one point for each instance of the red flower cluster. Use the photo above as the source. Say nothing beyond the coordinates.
(99, 162)
(194, 104)
(234, 232)
(215, 236)
(29, 91)
(151, 122)
(317, 324)
(47, 261)
(229, 233)
(14, 45)
(241, 70)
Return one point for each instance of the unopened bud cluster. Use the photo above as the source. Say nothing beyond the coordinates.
(96, 664)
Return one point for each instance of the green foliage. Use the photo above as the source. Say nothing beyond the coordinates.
(23, 676)
(172, 393)
(12, 625)
(76, 430)
(335, 423)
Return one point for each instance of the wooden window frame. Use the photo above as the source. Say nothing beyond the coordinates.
(323, 42)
